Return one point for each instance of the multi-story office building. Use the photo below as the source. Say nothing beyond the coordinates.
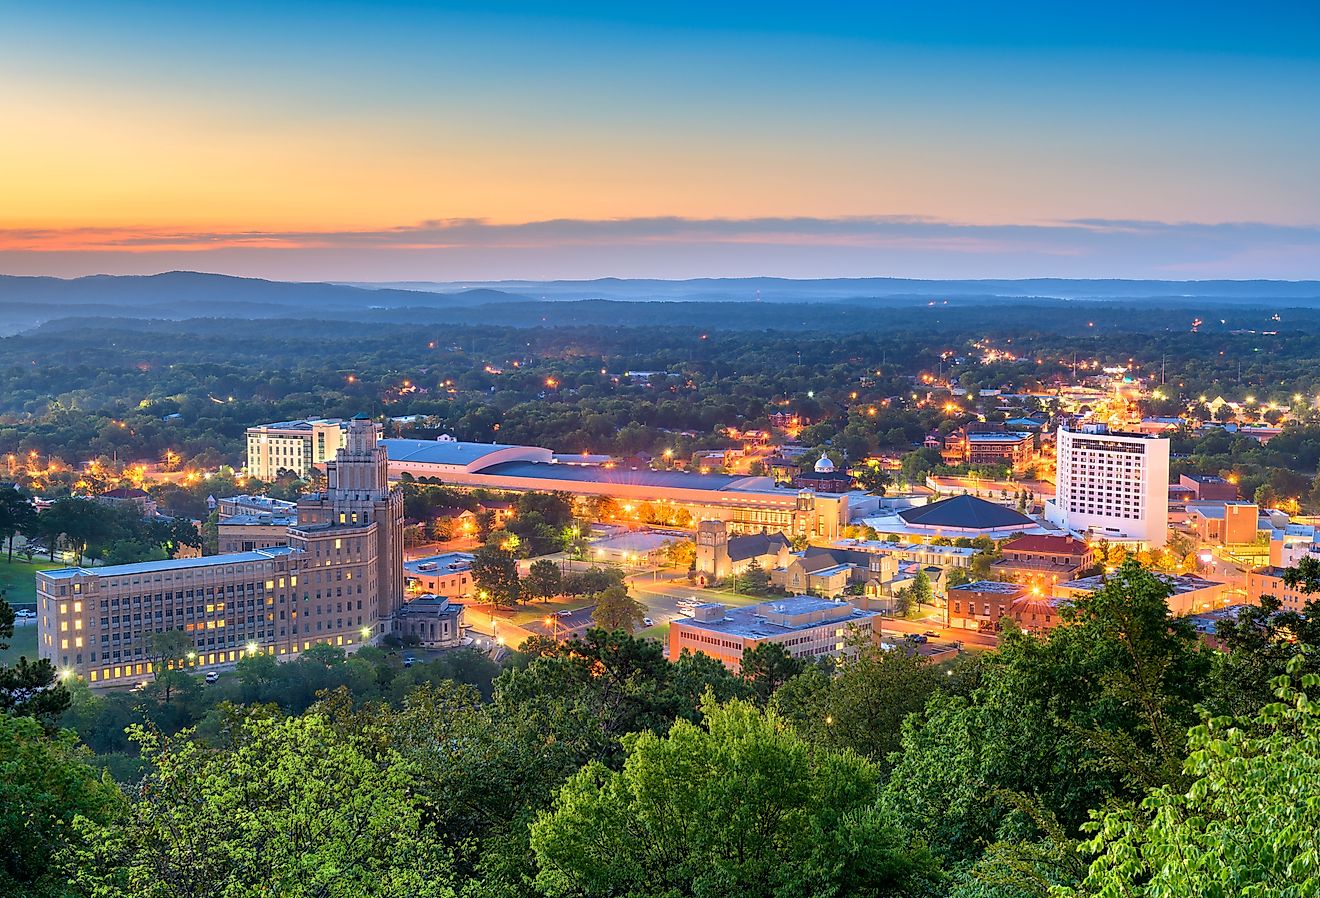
(806, 626)
(982, 445)
(1112, 485)
(338, 581)
(296, 446)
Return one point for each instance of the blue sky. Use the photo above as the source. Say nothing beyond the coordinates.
(927, 140)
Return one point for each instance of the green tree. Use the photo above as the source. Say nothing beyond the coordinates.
(767, 666)
(863, 705)
(289, 806)
(739, 805)
(616, 610)
(495, 570)
(17, 515)
(754, 578)
(45, 782)
(30, 688)
(874, 479)
(1243, 821)
(543, 580)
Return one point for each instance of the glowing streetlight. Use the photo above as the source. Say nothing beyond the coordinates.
(366, 632)
(251, 648)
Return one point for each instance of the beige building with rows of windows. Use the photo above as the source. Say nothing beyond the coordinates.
(339, 581)
(297, 446)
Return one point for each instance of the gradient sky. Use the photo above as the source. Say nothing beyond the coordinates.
(406, 141)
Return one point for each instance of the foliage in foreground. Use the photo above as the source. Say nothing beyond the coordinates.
(739, 805)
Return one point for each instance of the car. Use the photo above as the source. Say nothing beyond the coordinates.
(138, 687)
(23, 612)
(212, 676)
(647, 622)
(408, 660)
(568, 612)
(918, 638)
(934, 634)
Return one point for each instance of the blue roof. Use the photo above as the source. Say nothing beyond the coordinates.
(585, 474)
(443, 452)
(750, 622)
(173, 564)
(965, 513)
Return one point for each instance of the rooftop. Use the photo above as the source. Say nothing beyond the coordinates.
(173, 564)
(994, 586)
(966, 513)
(439, 564)
(429, 605)
(305, 424)
(450, 452)
(586, 474)
(1046, 544)
(764, 620)
(1181, 583)
(260, 518)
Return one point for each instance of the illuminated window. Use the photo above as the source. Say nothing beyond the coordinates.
(64, 643)
(77, 607)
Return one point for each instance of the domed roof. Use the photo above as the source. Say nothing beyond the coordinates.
(824, 465)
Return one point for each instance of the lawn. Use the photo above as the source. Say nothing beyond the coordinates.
(24, 643)
(17, 582)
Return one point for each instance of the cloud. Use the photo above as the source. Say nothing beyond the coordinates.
(909, 246)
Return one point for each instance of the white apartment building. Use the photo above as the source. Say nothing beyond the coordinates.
(1111, 485)
(295, 446)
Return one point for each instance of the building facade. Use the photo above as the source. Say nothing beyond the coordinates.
(1043, 559)
(807, 627)
(339, 581)
(297, 446)
(747, 504)
(1113, 486)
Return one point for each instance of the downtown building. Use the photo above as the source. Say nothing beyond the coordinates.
(339, 581)
(1111, 486)
(297, 446)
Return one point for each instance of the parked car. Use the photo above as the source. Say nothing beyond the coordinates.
(917, 638)
(647, 622)
(567, 612)
(212, 676)
(408, 660)
(934, 634)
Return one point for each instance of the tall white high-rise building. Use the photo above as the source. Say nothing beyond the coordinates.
(1112, 485)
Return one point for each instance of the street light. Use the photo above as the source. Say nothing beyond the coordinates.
(366, 632)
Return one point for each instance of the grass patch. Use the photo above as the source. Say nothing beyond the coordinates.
(24, 643)
(18, 580)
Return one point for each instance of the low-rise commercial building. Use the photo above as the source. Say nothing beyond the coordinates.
(980, 605)
(1190, 595)
(448, 575)
(806, 626)
(1043, 559)
(1268, 581)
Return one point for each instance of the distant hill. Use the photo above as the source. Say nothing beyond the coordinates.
(28, 301)
(859, 290)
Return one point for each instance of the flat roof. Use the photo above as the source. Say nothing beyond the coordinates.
(260, 518)
(996, 586)
(172, 564)
(441, 562)
(1181, 583)
(445, 452)
(749, 622)
(585, 474)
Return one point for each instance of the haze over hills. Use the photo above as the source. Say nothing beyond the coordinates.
(27, 302)
(845, 289)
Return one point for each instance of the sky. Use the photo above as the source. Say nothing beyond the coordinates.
(489, 140)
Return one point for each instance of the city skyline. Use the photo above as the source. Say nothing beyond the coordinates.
(463, 141)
